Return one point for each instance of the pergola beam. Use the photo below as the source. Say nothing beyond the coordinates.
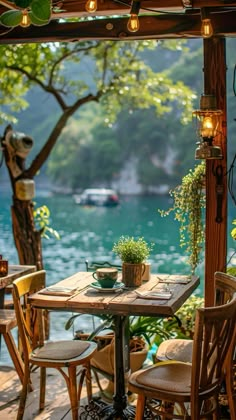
(151, 27)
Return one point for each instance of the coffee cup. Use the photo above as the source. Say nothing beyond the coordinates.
(106, 277)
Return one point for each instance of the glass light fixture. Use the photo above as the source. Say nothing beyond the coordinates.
(133, 22)
(91, 6)
(206, 27)
(25, 21)
(207, 124)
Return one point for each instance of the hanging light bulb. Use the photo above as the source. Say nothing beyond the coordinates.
(25, 21)
(133, 22)
(91, 6)
(206, 28)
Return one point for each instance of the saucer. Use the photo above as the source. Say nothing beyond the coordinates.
(99, 288)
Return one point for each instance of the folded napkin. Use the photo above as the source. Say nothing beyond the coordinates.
(58, 290)
(173, 280)
(152, 294)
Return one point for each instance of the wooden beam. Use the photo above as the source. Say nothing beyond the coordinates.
(151, 27)
(113, 7)
(216, 233)
(76, 8)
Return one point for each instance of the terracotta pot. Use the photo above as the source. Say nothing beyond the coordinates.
(132, 274)
(104, 360)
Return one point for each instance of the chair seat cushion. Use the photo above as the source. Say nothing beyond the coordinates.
(175, 349)
(61, 350)
(169, 377)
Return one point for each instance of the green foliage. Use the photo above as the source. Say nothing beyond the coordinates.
(232, 269)
(37, 11)
(188, 203)
(114, 77)
(233, 231)
(150, 328)
(131, 250)
(42, 222)
(186, 315)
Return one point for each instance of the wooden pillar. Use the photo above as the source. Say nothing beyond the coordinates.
(216, 233)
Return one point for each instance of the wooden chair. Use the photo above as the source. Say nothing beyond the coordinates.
(181, 390)
(7, 323)
(36, 352)
(181, 349)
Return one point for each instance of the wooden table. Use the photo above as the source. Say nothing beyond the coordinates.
(14, 272)
(121, 304)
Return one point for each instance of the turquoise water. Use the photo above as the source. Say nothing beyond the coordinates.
(89, 233)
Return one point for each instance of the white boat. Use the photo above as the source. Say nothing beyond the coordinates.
(97, 197)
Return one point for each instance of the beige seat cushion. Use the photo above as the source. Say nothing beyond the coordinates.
(170, 377)
(175, 349)
(61, 350)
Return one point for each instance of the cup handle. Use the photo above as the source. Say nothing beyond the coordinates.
(94, 275)
(144, 268)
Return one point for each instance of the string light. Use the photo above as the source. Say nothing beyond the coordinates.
(91, 6)
(25, 21)
(133, 22)
(206, 28)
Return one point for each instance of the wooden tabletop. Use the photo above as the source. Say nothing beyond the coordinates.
(85, 299)
(14, 272)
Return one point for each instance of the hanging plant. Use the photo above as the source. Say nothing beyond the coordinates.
(189, 202)
(26, 12)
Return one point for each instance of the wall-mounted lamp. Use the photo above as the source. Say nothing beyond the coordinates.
(207, 123)
(133, 22)
(206, 28)
(91, 6)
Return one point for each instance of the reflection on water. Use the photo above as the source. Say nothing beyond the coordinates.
(89, 233)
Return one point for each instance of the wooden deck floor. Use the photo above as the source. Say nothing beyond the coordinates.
(57, 406)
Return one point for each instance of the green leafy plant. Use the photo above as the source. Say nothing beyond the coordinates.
(133, 251)
(26, 12)
(42, 221)
(143, 330)
(186, 316)
(232, 269)
(189, 201)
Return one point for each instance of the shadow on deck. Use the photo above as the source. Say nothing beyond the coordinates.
(57, 405)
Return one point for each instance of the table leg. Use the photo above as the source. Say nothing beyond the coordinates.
(119, 409)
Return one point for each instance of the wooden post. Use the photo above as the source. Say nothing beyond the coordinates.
(216, 232)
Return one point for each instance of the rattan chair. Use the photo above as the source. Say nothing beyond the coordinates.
(60, 355)
(181, 349)
(178, 390)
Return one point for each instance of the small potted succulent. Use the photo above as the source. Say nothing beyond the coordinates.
(133, 254)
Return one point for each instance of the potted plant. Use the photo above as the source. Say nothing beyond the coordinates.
(188, 204)
(133, 254)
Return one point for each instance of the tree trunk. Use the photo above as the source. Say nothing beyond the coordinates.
(27, 238)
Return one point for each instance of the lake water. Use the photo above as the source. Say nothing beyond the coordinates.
(89, 233)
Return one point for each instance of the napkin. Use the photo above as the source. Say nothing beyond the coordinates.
(177, 280)
(58, 290)
(152, 294)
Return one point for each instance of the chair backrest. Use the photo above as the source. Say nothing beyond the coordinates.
(93, 265)
(225, 287)
(214, 333)
(29, 321)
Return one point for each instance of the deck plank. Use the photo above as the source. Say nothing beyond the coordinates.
(57, 401)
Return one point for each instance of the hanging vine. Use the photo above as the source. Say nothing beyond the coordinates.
(188, 203)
